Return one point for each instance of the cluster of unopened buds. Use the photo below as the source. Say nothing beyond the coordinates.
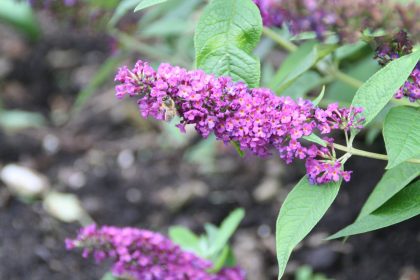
(145, 255)
(399, 46)
(254, 119)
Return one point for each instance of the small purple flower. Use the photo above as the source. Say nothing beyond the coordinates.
(142, 254)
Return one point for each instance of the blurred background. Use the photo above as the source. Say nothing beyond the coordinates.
(71, 154)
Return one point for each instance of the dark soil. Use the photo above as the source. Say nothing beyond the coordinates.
(97, 142)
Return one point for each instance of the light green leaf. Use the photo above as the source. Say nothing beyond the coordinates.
(305, 83)
(226, 258)
(361, 69)
(212, 232)
(165, 27)
(237, 147)
(391, 183)
(319, 97)
(226, 34)
(226, 230)
(404, 205)
(109, 276)
(315, 139)
(19, 14)
(147, 3)
(376, 92)
(122, 9)
(290, 62)
(304, 63)
(184, 238)
(349, 50)
(17, 120)
(402, 134)
(301, 211)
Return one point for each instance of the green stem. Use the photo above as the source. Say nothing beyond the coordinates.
(362, 153)
(347, 79)
(285, 44)
(290, 47)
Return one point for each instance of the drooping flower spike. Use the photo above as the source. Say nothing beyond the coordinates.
(256, 119)
(145, 255)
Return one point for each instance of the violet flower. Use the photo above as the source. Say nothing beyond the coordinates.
(399, 46)
(146, 255)
(256, 119)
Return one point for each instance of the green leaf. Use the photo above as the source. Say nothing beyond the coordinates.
(226, 230)
(166, 27)
(301, 211)
(237, 147)
(212, 232)
(361, 69)
(122, 9)
(101, 76)
(290, 62)
(402, 134)
(376, 92)
(184, 238)
(304, 63)
(109, 276)
(404, 205)
(147, 3)
(19, 14)
(226, 34)
(304, 84)
(220, 261)
(319, 97)
(391, 183)
(315, 139)
(17, 120)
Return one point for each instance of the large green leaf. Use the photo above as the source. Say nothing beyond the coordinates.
(404, 205)
(391, 183)
(402, 134)
(147, 3)
(303, 208)
(376, 92)
(226, 34)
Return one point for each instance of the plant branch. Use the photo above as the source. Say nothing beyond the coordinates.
(290, 47)
(363, 153)
(285, 44)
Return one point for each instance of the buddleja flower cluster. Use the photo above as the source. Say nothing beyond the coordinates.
(48, 3)
(145, 255)
(255, 119)
(399, 46)
(347, 18)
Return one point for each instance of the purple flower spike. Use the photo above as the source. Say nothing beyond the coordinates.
(146, 255)
(256, 119)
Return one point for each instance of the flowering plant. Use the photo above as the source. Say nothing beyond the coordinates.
(223, 96)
